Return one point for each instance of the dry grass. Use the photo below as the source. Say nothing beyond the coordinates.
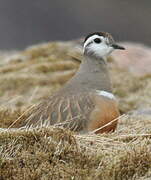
(55, 153)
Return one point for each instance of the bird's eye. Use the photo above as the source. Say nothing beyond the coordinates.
(97, 40)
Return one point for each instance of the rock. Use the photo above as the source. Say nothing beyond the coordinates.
(135, 59)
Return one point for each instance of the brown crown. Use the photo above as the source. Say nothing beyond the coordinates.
(104, 34)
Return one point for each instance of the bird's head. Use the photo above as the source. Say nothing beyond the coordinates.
(100, 45)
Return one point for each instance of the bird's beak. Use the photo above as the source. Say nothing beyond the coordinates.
(116, 46)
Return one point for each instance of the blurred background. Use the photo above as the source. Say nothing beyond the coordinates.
(23, 23)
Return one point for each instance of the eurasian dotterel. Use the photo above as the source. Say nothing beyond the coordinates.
(86, 102)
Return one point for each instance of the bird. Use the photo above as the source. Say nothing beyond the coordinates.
(86, 102)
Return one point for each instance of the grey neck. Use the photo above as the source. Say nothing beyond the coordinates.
(93, 74)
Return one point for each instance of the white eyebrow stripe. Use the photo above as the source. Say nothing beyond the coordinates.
(91, 38)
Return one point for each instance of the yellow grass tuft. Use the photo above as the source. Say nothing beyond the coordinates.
(56, 153)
